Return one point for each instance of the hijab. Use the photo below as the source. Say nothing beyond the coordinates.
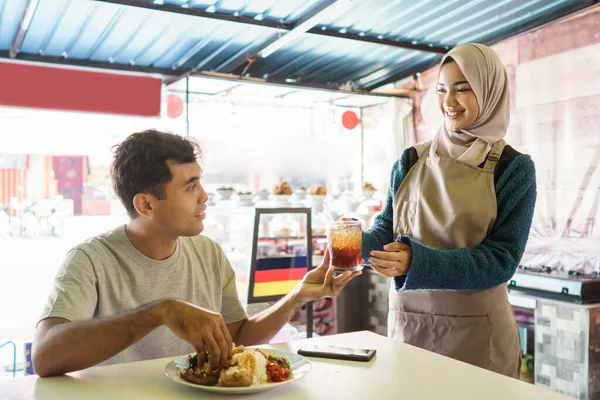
(488, 79)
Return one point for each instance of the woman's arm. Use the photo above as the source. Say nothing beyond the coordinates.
(495, 260)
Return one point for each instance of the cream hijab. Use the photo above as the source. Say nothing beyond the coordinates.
(488, 79)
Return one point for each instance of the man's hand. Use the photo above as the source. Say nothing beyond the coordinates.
(320, 282)
(203, 329)
(394, 261)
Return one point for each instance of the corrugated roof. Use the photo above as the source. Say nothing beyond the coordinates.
(361, 43)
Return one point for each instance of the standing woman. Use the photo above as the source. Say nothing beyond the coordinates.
(456, 221)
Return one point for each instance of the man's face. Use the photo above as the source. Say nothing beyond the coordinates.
(182, 211)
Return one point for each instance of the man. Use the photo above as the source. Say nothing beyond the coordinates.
(155, 287)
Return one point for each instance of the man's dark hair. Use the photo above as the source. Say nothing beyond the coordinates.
(140, 164)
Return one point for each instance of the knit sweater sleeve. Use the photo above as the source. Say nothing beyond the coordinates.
(495, 260)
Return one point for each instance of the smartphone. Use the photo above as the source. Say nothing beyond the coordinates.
(338, 353)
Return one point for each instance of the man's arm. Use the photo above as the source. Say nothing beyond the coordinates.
(62, 346)
(316, 284)
(261, 327)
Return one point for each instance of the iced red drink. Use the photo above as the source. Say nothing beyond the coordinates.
(345, 245)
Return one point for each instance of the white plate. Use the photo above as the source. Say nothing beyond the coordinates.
(300, 367)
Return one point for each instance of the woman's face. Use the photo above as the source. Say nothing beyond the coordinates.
(456, 98)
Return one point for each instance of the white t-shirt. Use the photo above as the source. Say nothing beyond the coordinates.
(107, 275)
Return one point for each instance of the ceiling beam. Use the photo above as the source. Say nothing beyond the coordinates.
(165, 72)
(394, 77)
(428, 48)
(279, 25)
(196, 12)
(325, 9)
(298, 85)
(168, 72)
(23, 27)
(309, 20)
(242, 57)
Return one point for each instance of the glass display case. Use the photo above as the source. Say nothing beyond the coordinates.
(272, 231)
(267, 247)
(281, 245)
(281, 256)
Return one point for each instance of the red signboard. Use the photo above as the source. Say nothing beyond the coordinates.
(76, 89)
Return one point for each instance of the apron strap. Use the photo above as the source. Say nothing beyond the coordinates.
(422, 148)
(494, 156)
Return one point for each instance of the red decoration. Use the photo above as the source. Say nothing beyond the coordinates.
(174, 106)
(350, 120)
(78, 89)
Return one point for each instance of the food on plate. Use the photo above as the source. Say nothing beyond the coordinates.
(247, 367)
(282, 188)
(278, 368)
(318, 190)
(244, 193)
(368, 187)
(225, 188)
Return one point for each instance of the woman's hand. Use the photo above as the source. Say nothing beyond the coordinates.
(393, 261)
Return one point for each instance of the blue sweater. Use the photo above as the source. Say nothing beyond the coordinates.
(491, 263)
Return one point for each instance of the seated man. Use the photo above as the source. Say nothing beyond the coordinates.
(155, 287)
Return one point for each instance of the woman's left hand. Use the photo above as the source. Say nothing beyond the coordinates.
(393, 261)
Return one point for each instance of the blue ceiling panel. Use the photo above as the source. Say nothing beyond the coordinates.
(366, 43)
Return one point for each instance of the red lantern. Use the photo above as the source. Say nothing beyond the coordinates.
(174, 106)
(350, 120)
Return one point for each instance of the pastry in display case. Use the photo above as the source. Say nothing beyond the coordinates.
(282, 188)
(318, 190)
(368, 191)
(282, 193)
(316, 198)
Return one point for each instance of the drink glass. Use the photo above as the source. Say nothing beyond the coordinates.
(345, 245)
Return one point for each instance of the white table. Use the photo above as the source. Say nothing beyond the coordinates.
(399, 371)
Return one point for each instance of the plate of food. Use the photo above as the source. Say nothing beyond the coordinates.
(251, 370)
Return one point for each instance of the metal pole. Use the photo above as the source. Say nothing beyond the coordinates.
(362, 150)
(309, 255)
(14, 355)
(187, 106)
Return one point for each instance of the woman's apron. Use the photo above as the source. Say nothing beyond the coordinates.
(447, 204)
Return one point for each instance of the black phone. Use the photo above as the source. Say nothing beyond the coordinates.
(338, 353)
